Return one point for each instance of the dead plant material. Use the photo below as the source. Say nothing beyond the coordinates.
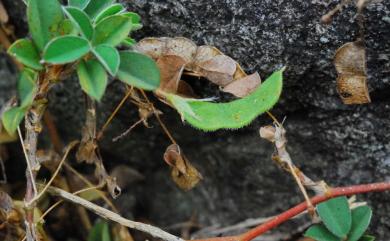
(350, 63)
(183, 173)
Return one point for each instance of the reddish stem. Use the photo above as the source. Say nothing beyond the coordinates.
(285, 216)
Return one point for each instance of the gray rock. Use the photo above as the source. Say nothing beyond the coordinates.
(328, 140)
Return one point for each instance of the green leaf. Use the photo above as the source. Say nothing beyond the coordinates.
(27, 87)
(367, 238)
(109, 11)
(67, 28)
(129, 42)
(112, 30)
(12, 118)
(139, 70)
(320, 233)
(232, 115)
(108, 57)
(44, 19)
(26, 53)
(93, 78)
(80, 20)
(100, 232)
(81, 4)
(361, 217)
(96, 6)
(65, 49)
(135, 18)
(336, 216)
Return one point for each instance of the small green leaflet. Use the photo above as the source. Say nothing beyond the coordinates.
(138, 70)
(27, 87)
(93, 78)
(361, 217)
(336, 216)
(232, 115)
(80, 20)
(65, 49)
(26, 53)
(320, 233)
(44, 20)
(367, 238)
(109, 11)
(96, 6)
(112, 30)
(81, 4)
(108, 57)
(12, 118)
(129, 42)
(67, 28)
(135, 19)
(100, 232)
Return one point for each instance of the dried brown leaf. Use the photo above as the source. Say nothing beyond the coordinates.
(219, 70)
(171, 68)
(350, 63)
(182, 47)
(244, 86)
(268, 133)
(183, 173)
(154, 47)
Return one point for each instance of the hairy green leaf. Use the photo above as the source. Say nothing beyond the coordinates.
(100, 232)
(129, 42)
(65, 49)
(81, 4)
(108, 57)
(109, 11)
(67, 28)
(93, 78)
(367, 238)
(27, 87)
(44, 20)
(26, 53)
(361, 217)
(12, 118)
(96, 6)
(320, 233)
(112, 30)
(80, 20)
(135, 18)
(138, 70)
(232, 115)
(336, 216)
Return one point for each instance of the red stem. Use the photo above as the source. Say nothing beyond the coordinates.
(285, 216)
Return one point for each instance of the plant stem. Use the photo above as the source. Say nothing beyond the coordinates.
(285, 216)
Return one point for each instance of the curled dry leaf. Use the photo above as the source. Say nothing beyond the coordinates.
(171, 68)
(183, 173)
(268, 133)
(350, 63)
(244, 86)
(219, 69)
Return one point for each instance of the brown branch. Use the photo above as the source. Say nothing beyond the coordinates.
(285, 216)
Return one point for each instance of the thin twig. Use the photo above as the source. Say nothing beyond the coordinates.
(107, 214)
(115, 139)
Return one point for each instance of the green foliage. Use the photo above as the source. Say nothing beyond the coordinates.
(44, 20)
(129, 42)
(135, 19)
(138, 70)
(109, 11)
(339, 223)
(26, 53)
(96, 6)
(100, 232)
(232, 115)
(81, 4)
(112, 30)
(108, 57)
(367, 238)
(27, 87)
(81, 20)
(93, 78)
(336, 216)
(12, 118)
(65, 49)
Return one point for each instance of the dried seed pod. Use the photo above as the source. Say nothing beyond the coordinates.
(350, 63)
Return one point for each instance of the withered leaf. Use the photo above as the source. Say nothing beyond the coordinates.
(183, 173)
(171, 68)
(183, 47)
(154, 47)
(350, 63)
(219, 69)
(244, 86)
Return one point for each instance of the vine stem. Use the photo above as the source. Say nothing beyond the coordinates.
(292, 212)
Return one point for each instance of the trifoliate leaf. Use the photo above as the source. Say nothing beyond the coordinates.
(232, 115)
(96, 6)
(138, 70)
(26, 53)
(93, 78)
(361, 217)
(80, 20)
(108, 57)
(65, 49)
(336, 216)
(112, 30)
(44, 20)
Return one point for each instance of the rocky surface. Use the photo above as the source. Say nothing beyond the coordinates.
(328, 140)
